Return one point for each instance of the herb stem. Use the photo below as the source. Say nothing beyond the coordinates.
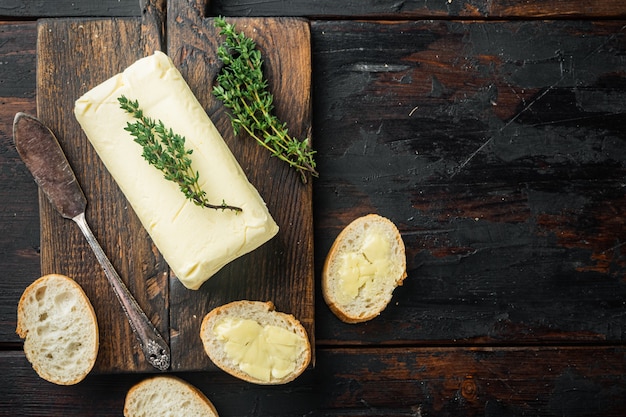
(243, 89)
(168, 154)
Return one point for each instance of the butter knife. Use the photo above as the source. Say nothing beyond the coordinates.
(39, 149)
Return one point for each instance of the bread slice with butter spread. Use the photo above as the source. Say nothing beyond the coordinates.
(364, 265)
(253, 342)
(195, 241)
(165, 396)
(60, 330)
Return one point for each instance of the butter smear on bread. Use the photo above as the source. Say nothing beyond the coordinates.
(263, 351)
(364, 265)
(252, 341)
(361, 270)
(195, 241)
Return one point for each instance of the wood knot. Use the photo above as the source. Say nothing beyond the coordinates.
(469, 390)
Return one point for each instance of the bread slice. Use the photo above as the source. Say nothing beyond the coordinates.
(253, 342)
(167, 395)
(60, 329)
(364, 265)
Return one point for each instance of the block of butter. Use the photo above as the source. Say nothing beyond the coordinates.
(195, 241)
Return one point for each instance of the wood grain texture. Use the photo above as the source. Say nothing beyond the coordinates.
(19, 225)
(541, 381)
(325, 9)
(282, 270)
(519, 248)
(416, 9)
(69, 8)
(103, 395)
(499, 150)
(153, 26)
(73, 57)
(446, 382)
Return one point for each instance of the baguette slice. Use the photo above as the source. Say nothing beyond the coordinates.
(167, 395)
(60, 329)
(253, 342)
(365, 264)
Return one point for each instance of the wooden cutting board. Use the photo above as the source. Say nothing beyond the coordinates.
(75, 55)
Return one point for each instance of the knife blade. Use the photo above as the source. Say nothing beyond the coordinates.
(40, 150)
(41, 153)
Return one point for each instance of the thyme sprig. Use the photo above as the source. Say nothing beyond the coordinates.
(243, 89)
(165, 150)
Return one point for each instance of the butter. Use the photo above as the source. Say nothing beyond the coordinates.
(360, 271)
(263, 352)
(196, 242)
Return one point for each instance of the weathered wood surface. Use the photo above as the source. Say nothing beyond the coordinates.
(282, 269)
(415, 9)
(443, 382)
(499, 149)
(19, 223)
(543, 381)
(68, 8)
(75, 55)
(516, 260)
(412, 9)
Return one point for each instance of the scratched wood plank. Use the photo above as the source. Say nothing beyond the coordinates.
(75, 55)
(499, 149)
(537, 381)
(420, 8)
(19, 224)
(282, 270)
(526, 380)
(68, 8)
(324, 9)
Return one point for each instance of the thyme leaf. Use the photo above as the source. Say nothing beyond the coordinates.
(165, 150)
(243, 89)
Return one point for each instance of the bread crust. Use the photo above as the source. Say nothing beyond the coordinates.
(264, 313)
(28, 307)
(159, 385)
(348, 232)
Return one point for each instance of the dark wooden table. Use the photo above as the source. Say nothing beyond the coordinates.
(492, 132)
